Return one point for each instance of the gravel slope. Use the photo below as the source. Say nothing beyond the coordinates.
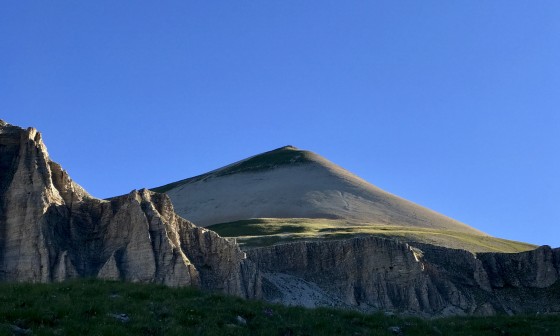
(291, 183)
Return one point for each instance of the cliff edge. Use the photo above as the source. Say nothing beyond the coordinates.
(51, 229)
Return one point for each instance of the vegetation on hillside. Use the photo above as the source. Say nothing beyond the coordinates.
(268, 160)
(93, 307)
(268, 231)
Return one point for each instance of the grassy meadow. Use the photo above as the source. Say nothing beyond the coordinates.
(268, 231)
(93, 307)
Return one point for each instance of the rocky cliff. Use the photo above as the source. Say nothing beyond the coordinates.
(51, 230)
(371, 274)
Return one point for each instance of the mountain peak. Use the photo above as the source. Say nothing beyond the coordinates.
(292, 183)
(287, 147)
(279, 157)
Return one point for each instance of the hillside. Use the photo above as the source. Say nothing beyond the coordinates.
(293, 183)
(289, 194)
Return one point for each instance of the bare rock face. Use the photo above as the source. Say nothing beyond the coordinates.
(506, 270)
(51, 229)
(372, 274)
(368, 273)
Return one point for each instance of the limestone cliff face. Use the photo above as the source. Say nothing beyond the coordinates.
(525, 282)
(51, 230)
(509, 270)
(368, 273)
(372, 274)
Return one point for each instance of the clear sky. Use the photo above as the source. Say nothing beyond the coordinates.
(454, 105)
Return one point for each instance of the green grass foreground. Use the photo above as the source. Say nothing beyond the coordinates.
(93, 307)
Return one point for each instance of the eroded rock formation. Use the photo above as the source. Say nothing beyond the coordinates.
(52, 230)
(371, 273)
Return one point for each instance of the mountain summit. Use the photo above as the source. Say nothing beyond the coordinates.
(292, 183)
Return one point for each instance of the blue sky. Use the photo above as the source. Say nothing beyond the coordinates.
(451, 104)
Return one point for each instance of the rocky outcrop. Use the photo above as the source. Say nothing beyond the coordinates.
(525, 282)
(509, 270)
(368, 273)
(51, 230)
(372, 273)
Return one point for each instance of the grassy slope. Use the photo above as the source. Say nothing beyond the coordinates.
(84, 307)
(268, 231)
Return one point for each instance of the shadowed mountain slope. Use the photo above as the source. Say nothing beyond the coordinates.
(293, 183)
